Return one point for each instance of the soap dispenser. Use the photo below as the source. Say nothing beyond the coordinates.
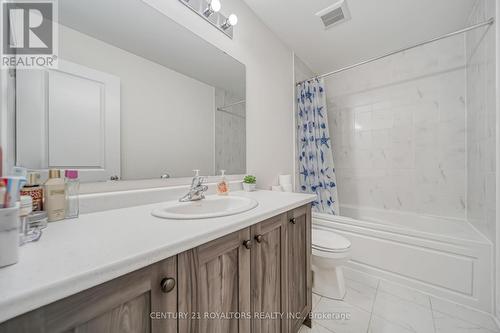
(222, 187)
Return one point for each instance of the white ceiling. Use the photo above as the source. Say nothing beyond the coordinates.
(134, 26)
(376, 27)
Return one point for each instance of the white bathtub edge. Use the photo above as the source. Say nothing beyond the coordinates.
(470, 285)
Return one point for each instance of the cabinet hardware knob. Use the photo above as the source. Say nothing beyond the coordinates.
(167, 285)
(259, 238)
(293, 220)
(247, 244)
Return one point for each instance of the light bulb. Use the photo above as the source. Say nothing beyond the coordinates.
(215, 5)
(232, 19)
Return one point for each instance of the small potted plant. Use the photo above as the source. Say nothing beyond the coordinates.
(249, 183)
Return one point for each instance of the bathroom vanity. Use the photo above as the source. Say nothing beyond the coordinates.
(255, 266)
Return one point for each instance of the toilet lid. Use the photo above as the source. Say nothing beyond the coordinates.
(324, 240)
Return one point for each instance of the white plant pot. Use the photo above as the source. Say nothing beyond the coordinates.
(249, 187)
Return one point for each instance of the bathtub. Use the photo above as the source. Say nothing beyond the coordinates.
(443, 257)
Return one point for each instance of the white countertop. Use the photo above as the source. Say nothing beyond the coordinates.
(74, 255)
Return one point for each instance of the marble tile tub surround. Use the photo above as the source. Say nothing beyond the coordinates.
(399, 131)
(481, 121)
(379, 306)
(230, 134)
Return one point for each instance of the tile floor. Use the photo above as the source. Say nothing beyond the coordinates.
(378, 306)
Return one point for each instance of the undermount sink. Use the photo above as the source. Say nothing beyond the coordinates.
(211, 206)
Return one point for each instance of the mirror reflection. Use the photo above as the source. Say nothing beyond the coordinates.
(135, 96)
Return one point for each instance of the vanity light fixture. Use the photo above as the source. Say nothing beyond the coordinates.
(209, 11)
(213, 7)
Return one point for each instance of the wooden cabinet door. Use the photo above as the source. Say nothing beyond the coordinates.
(214, 286)
(268, 266)
(123, 305)
(299, 265)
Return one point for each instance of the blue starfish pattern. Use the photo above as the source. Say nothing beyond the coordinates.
(324, 140)
(317, 172)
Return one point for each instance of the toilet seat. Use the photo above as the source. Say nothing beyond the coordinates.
(327, 242)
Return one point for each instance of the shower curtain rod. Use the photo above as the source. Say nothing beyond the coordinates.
(223, 109)
(231, 113)
(472, 27)
(232, 104)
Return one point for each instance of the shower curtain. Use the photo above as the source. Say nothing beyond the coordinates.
(316, 169)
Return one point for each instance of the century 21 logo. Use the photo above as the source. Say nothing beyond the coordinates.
(27, 28)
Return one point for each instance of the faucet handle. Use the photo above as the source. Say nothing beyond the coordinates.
(197, 179)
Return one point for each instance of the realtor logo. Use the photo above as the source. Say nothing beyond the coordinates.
(29, 34)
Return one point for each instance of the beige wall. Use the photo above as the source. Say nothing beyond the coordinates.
(269, 73)
(301, 70)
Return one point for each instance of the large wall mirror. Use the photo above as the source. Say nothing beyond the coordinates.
(135, 96)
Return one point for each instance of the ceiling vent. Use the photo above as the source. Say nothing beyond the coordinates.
(334, 14)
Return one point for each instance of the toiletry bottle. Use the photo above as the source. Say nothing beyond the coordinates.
(3, 192)
(34, 190)
(25, 208)
(72, 190)
(13, 185)
(222, 187)
(55, 196)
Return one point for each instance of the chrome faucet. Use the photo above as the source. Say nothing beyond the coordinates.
(197, 190)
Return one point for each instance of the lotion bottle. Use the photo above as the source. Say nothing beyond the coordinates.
(222, 186)
(55, 196)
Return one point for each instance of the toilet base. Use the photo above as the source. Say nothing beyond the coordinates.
(329, 283)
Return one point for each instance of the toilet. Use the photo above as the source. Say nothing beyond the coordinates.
(329, 252)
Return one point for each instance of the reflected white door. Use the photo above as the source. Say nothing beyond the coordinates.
(69, 118)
